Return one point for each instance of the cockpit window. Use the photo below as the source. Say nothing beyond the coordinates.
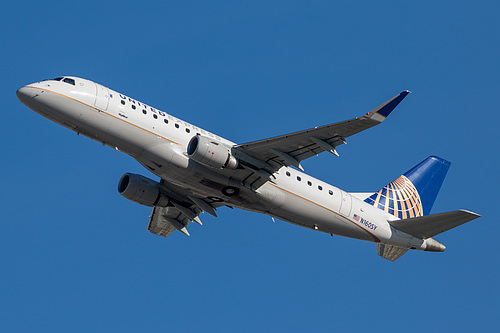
(68, 80)
(56, 79)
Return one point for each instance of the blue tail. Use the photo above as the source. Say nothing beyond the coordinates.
(413, 194)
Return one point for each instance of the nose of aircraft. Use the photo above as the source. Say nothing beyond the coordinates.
(24, 94)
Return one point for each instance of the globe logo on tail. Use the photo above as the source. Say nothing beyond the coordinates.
(399, 198)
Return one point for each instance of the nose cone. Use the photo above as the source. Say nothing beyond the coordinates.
(27, 95)
(22, 94)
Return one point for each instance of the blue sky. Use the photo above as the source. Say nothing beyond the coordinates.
(77, 257)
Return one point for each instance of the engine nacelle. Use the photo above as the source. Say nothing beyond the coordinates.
(141, 190)
(211, 153)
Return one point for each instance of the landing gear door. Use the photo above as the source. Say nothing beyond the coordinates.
(101, 97)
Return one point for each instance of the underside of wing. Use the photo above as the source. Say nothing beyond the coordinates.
(178, 213)
(390, 252)
(157, 224)
(164, 220)
(292, 148)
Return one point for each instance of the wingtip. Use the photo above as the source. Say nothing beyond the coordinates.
(385, 109)
(476, 215)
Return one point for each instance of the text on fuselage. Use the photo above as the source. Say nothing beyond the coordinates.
(364, 222)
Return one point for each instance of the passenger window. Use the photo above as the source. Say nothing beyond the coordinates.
(188, 130)
(299, 179)
(144, 111)
(176, 125)
(155, 116)
(68, 80)
(330, 192)
(288, 174)
(133, 106)
(309, 183)
(320, 188)
(123, 102)
(165, 121)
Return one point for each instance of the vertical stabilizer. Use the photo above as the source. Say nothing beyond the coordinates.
(428, 177)
(413, 194)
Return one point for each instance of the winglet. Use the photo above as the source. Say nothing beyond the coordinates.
(382, 111)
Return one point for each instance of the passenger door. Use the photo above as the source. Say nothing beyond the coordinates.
(102, 97)
(345, 203)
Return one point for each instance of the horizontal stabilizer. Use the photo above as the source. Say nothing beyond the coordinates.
(390, 252)
(431, 225)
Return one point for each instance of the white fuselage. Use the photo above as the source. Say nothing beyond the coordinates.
(158, 141)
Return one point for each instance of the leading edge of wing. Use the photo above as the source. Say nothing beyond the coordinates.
(304, 144)
(382, 110)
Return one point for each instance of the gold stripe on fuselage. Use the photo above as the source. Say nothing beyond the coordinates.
(375, 238)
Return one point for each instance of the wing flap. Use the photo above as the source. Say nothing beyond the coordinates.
(164, 220)
(158, 225)
(431, 225)
(178, 214)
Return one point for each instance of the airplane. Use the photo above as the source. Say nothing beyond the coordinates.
(200, 171)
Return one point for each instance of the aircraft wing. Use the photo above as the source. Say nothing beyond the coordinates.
(180, 211)
(161, 226)
(292, 148)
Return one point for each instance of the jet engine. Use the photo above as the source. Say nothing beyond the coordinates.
(141, 190)
(211, 153)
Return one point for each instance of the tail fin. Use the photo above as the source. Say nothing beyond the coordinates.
(412, 194)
